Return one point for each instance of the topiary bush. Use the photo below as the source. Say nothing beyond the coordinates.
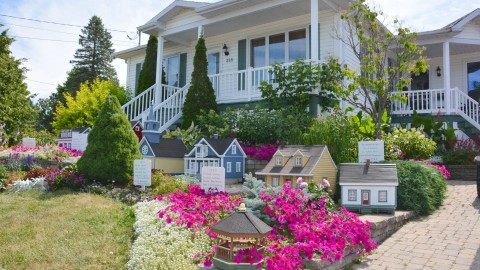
(421, 187)
(408, 144)
(112, 146)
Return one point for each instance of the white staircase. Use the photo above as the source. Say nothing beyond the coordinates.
(167, 112)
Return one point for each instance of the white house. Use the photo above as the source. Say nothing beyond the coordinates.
(75, 139)
(244, 38)
(368, 187)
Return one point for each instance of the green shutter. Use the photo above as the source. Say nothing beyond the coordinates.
(310, 41)
(138, 68)
(183, 70)
(242, 62)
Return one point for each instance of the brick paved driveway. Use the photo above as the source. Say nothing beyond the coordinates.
(448, 239)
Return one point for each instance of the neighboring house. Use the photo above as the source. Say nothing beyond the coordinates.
(137, 128)
(216, 152)
(312, 163)
(368, 187)
(166, 155)
(74, 138)
(244, 38)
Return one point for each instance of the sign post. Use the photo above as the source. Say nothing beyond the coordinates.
(213, 178)
(373, 150)
(142, 173)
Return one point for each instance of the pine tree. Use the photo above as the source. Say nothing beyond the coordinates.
(149, 68)
(112, 146)
(200, 95)
(93, 59)
(16, 108)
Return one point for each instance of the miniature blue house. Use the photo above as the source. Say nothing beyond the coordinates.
(166, 154)
(369, 187)
(216, 152)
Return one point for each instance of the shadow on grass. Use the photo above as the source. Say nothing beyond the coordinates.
(48, 195)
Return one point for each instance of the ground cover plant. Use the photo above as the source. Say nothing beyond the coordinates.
(63, 230)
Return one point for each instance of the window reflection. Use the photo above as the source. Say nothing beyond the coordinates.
(277, 48)
(257, 55)
(297, 45)
(173, 69)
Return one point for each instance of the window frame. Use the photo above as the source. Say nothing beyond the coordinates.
(229, 167)
(297, 163)
(275, 181)
(234, 149)
(386, 196)
(352, 192)
(278, 163)
(238, 167)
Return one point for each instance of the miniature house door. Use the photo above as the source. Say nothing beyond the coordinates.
(365, 197)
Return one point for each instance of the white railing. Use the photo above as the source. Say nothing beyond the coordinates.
(139, 104)
(170, 109)
(435, 101)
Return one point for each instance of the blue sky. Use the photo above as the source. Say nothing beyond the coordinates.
(49, 61)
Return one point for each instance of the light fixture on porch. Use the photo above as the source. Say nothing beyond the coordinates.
(439, 71)
(225, 49)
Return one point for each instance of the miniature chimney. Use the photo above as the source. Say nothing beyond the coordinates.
(367, 165)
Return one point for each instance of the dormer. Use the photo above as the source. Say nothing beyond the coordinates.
(300, 158)
(201, 150)
(280, 158)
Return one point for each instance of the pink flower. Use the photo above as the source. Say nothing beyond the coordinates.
(299, 180)
(207, 263)
(325, 183)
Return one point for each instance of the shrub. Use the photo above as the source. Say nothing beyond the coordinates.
(421, 187)
(30, 184)
(61, 179)
(412, 143)
(462, 153)
(38, 172)
(337, 132)
(112, 146)
(189, 136)
(261, 151)
(17, 162)
(3, 172)
(163, 183)
(42, 137)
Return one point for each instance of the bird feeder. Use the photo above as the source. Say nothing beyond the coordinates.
(239, 233)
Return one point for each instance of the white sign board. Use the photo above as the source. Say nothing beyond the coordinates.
(29, 142)
(214, 178)
(79, 141)
(373, 150)
(142, 172)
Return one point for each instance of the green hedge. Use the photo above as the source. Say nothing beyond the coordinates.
(421, 187)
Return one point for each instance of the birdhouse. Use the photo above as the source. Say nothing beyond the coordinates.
(241, 240)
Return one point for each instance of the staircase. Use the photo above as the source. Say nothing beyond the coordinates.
(167, 112)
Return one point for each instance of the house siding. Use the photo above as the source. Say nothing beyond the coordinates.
(391, 195)
(131, 72)
(326, 168)
(470, 30)
(169, 165)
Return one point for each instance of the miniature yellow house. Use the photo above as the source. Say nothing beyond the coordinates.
(312, 163)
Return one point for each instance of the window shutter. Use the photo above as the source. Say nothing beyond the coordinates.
(310, 41)
(138, 68)
(183, 70)
(242, 63)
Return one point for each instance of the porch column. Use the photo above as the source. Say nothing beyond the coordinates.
(200, 31)
(158, 78)
(446, 76)
(314, 32)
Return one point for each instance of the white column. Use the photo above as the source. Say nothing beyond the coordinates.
(158, 78)
(446, 76)
(314, 32)
(200, 31)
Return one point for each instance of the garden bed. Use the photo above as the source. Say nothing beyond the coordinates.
(462, 172)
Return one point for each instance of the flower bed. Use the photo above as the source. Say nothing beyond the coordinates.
(24, 158)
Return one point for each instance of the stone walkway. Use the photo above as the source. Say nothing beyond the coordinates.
(448, 239)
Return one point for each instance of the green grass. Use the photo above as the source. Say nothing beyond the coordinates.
(63, 230)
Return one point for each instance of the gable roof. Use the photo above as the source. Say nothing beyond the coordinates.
(81, 130)
(314, 152)
(220, 145)
(460, 22)
(360, 174)
(134, 123)
(168, 148)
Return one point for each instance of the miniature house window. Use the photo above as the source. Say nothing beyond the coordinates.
(275, 182)
(137, 128)
(382, 196)
(238, 166)
(352, 195)
(298, 161)
(234, 149)
(229, 167)
(278, 161)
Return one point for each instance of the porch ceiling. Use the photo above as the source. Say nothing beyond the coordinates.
(218, 22)
(436, 50)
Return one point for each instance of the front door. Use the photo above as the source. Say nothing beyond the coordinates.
(365, 197)
(213, 69)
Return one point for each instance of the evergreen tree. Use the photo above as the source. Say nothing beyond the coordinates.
(112, 146)
(16, 108)
(149, 68)
(200, 96)
(92, 60)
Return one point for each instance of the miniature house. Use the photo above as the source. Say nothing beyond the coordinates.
(75, 139)
(216, 152)
(369, 187)
(165, 154)
(137, 128)
(312, 163)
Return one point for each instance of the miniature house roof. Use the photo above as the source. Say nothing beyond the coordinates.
(168, 148)
(374, 174)
(313, 152)
(241, 224)
(134, 123)
(81, 130)
(218, 145)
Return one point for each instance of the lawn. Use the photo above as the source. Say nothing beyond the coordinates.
(63, 230)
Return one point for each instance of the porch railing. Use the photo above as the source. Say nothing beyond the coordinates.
(435, 101)
(170, 110)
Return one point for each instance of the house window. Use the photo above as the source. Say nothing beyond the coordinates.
(275, 182)
(238, 167)
(382, 196)
(229, 167)
(297, 45)
(352, 195)
(173, 70)
(202, 151)
(278, 161)
(276, 48)
(298, 161)
(234, 149)
(473, 80)
(257, 52)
